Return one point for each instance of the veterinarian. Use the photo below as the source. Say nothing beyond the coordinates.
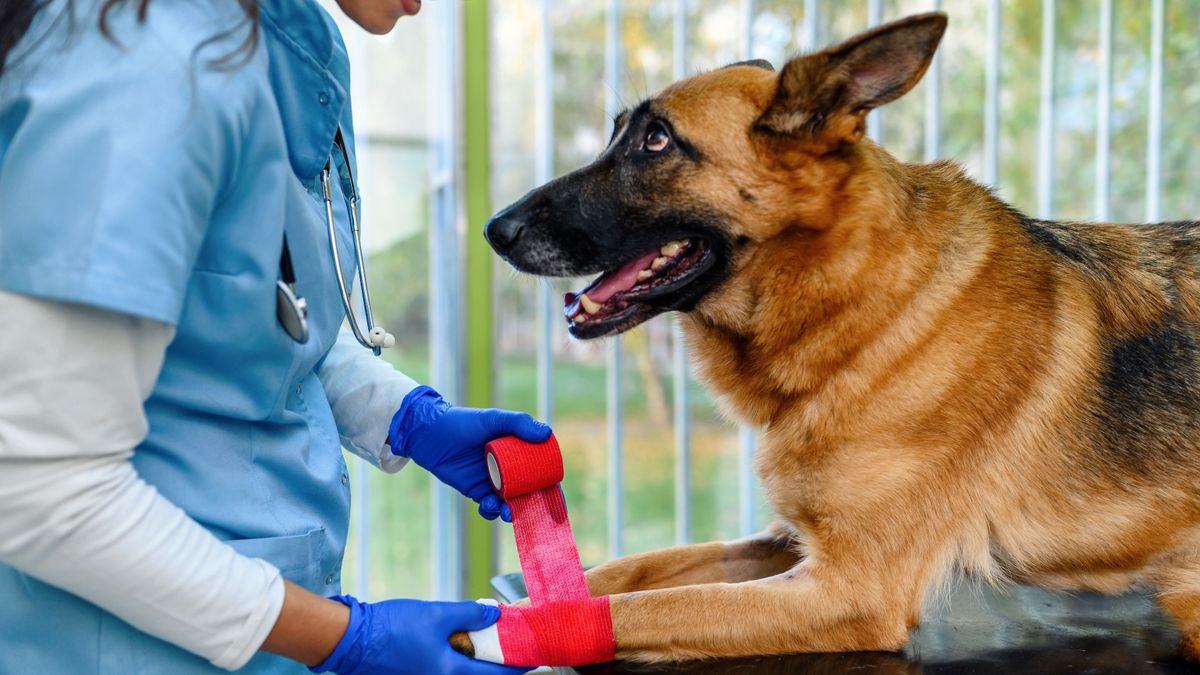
(173, 497)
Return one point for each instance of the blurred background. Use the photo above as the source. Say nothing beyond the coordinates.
(1087, 109)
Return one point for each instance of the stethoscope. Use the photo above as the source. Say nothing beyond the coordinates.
(292, 310)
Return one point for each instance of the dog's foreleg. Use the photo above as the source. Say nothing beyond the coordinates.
(800, 610)
(762, 555)
(1179, 596)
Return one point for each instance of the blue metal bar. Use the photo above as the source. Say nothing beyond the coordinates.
(445, 286)
(933, 103)
(616, 459)
(543, 172)
(811, 27)
(991, 110)
(1154, 133)
(875, 117)
(616, 482)
(1045, 161)
(683, 442)
(1104, 112)
(679, 39)
(746, 48)
(747, 506)
(679, 362)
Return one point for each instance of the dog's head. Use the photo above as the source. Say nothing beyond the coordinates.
(697, 176)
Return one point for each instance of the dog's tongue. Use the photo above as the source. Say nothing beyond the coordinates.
(621, 279)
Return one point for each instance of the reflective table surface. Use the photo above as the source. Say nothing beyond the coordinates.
(978, 630)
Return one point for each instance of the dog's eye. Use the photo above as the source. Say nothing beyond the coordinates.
(657, 139)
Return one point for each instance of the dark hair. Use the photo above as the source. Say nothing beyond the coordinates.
(17, 15)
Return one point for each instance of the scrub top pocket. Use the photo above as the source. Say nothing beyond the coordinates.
(299, 557)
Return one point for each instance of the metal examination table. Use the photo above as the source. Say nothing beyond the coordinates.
(980, 631)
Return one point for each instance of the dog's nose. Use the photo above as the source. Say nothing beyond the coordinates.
(503, 230)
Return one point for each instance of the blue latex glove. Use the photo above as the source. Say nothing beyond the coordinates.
(402, 637)
(448, 442)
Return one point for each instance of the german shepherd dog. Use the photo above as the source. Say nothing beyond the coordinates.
(944, 385)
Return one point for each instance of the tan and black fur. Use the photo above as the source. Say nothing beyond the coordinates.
(944, 385)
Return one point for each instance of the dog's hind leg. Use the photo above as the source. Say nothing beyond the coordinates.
(762, 555)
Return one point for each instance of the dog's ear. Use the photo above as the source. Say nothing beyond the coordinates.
(753, 63)
(824, 97)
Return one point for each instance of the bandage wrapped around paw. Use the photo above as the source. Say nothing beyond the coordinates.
(557, 633)
(564, 625)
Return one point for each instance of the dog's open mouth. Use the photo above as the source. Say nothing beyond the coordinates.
(626, 296)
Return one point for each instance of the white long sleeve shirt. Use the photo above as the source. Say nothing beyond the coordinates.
(75, 514)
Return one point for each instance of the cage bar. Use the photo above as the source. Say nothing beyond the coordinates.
(679, 361)
(875, 117)
(613, 379)
(811, 29)
(1045, 156)
(933, 103)
(1154, 114)
(991, 110)
(445, 284)
(1104, 112)
(543, 171)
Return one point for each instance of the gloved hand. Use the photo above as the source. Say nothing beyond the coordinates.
(402, 637)
(448, 441)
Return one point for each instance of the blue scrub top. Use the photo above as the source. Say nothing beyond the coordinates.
(135, 177)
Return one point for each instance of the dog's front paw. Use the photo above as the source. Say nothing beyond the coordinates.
(610, 578)
(461, 642)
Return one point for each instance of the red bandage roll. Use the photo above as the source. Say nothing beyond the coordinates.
(519, 468)
(527, 476)
(564, 626)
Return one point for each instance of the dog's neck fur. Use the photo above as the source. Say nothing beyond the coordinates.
(850, 281)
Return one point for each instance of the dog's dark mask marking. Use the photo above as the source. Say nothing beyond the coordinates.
(620, 208)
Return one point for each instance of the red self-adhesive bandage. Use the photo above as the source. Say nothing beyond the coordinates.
(564, 625)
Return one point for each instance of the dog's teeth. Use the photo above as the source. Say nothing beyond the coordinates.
(644, 275)
(671, 248)
(589, 305)
(658, 263)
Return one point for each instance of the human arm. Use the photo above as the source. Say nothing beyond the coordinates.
(364, 391)
(73, 511)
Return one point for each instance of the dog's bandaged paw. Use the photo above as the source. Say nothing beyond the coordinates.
(562, 633)
(486, 642)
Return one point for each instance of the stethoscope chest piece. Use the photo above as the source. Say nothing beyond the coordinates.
(292, 311)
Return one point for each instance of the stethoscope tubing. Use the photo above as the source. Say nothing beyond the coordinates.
(352, 206)
(291, 309)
